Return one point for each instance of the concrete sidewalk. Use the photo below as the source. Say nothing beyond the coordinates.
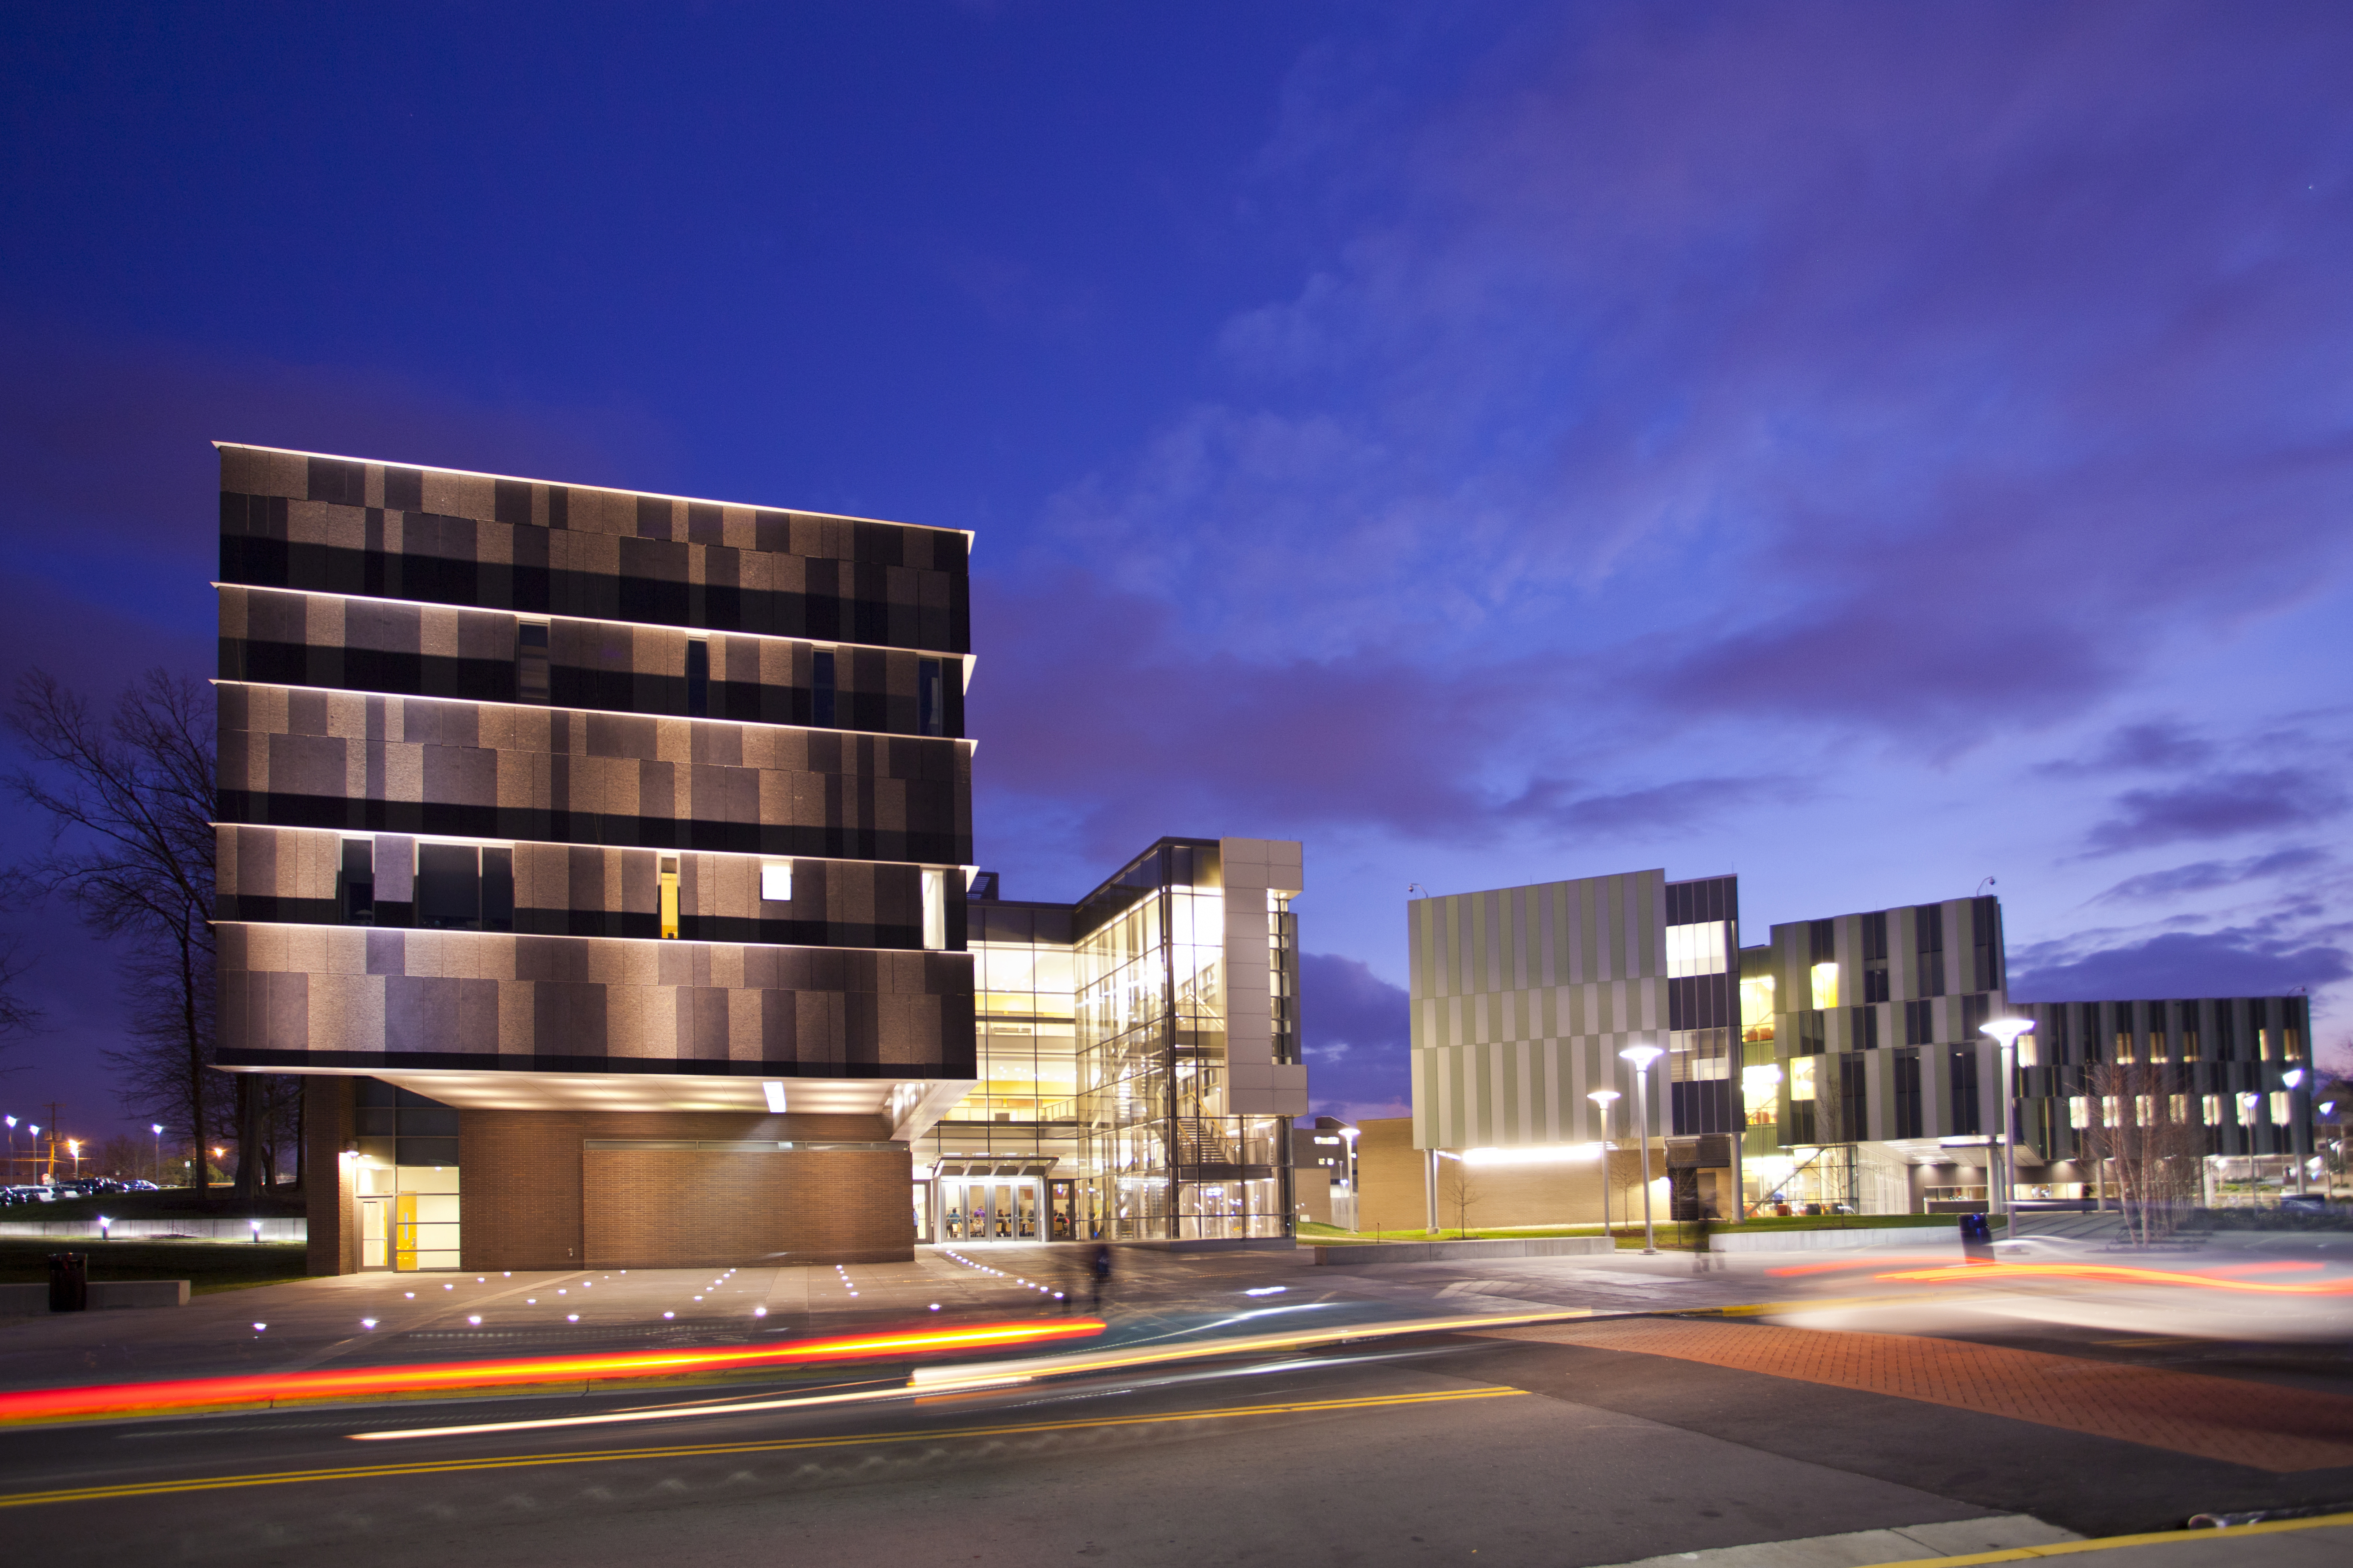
(2018, 1537)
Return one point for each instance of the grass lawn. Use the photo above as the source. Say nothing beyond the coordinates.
(172, 1203)
(206, 1266)
(1671, 1234)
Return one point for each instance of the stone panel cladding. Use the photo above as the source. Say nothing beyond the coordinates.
(331, 525)
(292, 875)
(527, 1191)
(394, 764)
(324, 997)
(286, 639)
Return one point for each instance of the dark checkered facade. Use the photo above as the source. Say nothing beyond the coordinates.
(375, 692)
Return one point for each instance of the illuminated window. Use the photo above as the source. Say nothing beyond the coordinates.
(2079, 1110)
(669, 897)
(1825, 985)
(2280, 1113)
(776, 881)
(1757, 1007)
(1801, 1077)
(2213, 1110)
(2182, 1108)
(1696, 950)
(936, 909)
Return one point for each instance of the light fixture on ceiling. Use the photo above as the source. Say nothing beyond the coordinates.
(776, 1093)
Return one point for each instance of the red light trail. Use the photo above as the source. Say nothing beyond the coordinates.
(212, 1392)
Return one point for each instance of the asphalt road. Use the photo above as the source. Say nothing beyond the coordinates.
(1440, 1448)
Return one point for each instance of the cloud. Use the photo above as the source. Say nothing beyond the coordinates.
(2136, 748)
(1908, 374)
(2237, 962)
(1147, 730)
(2202, 876)
(1354, 1029)
(2219, 806)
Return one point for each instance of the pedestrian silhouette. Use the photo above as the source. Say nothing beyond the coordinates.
(1102, 1272)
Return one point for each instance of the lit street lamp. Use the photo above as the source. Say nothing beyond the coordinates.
(1642, 1057)
(11, 1147)
(2005, 1032)
(73, 1147)
(157, 1129)
(1605, 1098)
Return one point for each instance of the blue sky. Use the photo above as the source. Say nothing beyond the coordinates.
(1868, 447)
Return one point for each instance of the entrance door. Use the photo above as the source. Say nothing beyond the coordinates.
(375, 1233)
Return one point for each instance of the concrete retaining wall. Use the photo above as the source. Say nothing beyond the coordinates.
(274, 1229)
(24, 1300)
(1382, 1252)
(1945, 1238)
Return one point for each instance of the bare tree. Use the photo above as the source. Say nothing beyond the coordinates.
(129, 799)
(18, 1017)
(2139, 1122)
(1467, 1196)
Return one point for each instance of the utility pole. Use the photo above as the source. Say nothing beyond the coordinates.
(51, 1172)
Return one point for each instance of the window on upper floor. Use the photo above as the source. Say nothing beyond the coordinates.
(821, 688)
(698, 679)
(931, 698)
(935, 909)
(531, 661)
(1696, 950)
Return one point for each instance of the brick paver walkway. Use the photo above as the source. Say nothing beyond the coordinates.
(2257, 1425)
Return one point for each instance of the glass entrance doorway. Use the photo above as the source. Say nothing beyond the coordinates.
(988, 1208)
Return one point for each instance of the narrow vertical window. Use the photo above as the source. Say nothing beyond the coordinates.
(669, 897)
(936, 909)
(498, 889)
(359, 882)
(698, 679)
(931, 699)
(776, 881)
(531, 661)
(821, 688)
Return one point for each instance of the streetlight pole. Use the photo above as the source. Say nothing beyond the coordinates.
(12, 1149)
(157, 1129)
(2005, 1032)
(1605, 1098)
(1642, 1057)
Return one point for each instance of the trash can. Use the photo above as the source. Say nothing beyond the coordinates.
(69, 1282)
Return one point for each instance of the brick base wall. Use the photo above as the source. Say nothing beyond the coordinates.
(532, 1197)
(327, 1186)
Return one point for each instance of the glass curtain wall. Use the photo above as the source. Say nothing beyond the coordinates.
(1165, 1159)
(1021, 1117)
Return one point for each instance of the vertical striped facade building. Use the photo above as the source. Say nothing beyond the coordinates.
(1840, 1063)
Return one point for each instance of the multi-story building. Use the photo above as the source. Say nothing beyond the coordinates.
(1524, 997)
(1863, 1080)
(600, 859)
(1138, 1056)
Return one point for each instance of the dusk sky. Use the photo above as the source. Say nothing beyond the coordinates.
(1870, 448)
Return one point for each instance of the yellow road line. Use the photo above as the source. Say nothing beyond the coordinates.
(2109, 1544)
(704, 1450)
